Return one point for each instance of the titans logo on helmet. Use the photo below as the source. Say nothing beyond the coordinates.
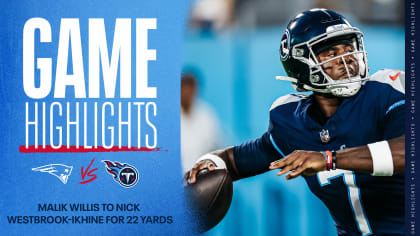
(285, 46)
(124, 174)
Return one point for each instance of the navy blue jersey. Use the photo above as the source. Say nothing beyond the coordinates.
(360, 204)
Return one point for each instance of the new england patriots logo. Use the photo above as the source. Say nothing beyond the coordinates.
(124, 174)
(62, 172)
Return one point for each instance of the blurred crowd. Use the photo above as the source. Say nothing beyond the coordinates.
(200, 129)
(223, 14)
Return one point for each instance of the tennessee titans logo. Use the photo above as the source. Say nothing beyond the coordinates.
(325, 136)
(124, 174)
(62, 172)
(285, 46)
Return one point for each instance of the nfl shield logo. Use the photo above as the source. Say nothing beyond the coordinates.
(325, 136)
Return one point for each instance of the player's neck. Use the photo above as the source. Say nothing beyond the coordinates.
(328, 104)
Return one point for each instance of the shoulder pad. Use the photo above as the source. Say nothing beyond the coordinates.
(395, 78)
(294, 97)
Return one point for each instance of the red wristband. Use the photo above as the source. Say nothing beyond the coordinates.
(329, 160)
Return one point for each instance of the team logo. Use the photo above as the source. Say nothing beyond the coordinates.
(62, 172)
(325, 136)
(285, 46)
(124, 174)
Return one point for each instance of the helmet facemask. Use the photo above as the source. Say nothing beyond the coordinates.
(319, 79)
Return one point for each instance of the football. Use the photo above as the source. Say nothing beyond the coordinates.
(209, 198)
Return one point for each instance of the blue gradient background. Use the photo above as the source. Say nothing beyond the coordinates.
(159, 190)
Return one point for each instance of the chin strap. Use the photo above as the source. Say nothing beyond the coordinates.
(285, 78)
(305, 88)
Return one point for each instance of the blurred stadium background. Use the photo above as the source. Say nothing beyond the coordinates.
(233, 44)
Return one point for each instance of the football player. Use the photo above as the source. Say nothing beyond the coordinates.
(346, 138)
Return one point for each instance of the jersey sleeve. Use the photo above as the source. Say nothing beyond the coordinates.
(254, 157)
(394, 121)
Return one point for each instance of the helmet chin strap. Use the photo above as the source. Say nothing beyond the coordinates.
(305, 87)
(339, 90)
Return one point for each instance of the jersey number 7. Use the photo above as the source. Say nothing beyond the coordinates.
(353, 193)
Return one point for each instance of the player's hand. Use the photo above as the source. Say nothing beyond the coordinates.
(300, 163)
(190, 176)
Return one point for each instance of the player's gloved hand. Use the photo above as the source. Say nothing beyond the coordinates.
(190, 176)
(300, 163)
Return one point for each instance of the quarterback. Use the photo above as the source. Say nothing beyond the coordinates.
(346, 138)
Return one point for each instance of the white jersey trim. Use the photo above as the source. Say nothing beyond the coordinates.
(294, 97)
(395, 78)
